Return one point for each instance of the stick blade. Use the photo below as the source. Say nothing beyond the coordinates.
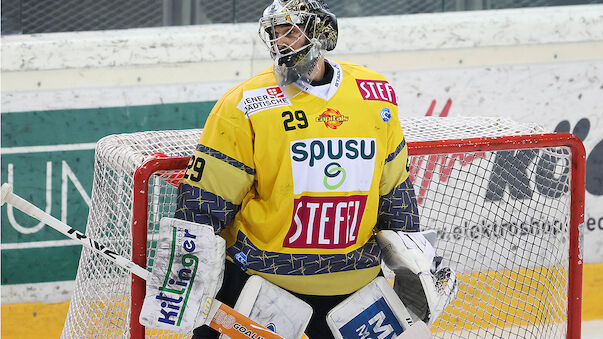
(6, 190)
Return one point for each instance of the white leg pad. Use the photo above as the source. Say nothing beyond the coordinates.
(417, 330)
(274, 308)
(374, 311)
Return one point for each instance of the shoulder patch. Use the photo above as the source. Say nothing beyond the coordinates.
(377, 90)
(261, 99)
(385, 114)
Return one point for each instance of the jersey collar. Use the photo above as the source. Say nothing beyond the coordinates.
(326, 91)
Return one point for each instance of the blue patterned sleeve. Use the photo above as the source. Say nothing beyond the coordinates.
(398, 209)
(200, 206)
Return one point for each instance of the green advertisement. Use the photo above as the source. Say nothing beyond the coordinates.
(48, 157)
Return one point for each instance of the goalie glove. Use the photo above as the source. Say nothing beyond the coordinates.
(188, 268)
(422, 285)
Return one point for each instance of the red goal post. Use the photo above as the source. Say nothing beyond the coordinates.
(529, 280)
(577, 187)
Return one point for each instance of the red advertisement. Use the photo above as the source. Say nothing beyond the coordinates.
(325, 222)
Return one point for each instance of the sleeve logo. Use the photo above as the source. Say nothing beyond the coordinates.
(377, 90)
(385, 114)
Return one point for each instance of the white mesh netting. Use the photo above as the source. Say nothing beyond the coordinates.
(502, 219)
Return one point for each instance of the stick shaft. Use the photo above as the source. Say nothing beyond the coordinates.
(33, 211)
(228, 321)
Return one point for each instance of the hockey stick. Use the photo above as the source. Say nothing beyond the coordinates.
(224, 319)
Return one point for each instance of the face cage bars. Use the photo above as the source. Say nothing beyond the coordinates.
(267, 31)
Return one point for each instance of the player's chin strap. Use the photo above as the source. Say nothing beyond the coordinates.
(424, 287)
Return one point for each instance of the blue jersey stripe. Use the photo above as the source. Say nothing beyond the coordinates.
(268, 262)
(221, 156)
(399, 149)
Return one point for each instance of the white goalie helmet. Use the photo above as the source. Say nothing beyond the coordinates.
(318, 28)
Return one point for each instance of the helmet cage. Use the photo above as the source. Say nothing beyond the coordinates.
(310, 20)
(281, 52)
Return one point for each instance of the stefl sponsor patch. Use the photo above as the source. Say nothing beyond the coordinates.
(333, 164)
(325, 222)
(377, 90)
(261, 99)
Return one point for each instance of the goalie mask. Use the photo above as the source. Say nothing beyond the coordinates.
(297, 33)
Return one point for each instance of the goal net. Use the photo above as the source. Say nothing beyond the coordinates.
(505, 198)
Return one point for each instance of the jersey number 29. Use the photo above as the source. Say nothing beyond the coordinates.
(300, 116)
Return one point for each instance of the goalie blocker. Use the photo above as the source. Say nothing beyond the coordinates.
(187, 273)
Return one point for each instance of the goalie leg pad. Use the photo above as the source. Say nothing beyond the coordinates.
(417, 330)
(187, 272)
(274, 308)
(373, 311)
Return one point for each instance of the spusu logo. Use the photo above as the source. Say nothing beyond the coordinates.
(333, 164)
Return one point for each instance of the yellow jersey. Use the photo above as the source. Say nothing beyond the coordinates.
(297, 184)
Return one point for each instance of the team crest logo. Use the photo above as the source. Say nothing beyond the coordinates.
(332, 118)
